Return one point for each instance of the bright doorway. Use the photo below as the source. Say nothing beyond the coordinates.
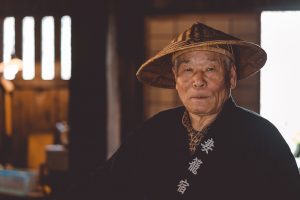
(280, 78)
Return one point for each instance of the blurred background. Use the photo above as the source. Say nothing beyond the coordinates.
(69, 95)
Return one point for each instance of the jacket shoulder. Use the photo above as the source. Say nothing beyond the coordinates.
(251, 118)
(165, 117)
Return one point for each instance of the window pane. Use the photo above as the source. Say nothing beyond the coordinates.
(8, 44)
(28, 54)
(48, 70)
(65, 47)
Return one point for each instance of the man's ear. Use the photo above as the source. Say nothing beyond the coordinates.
(233, 76)
(175, 76)
(174, 72)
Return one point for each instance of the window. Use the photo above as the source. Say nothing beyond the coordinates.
(48, 57)
(48, 48)
(65, 48)
(28, 48)
(9, 47)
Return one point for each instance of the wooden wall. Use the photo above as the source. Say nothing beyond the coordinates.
(37, 105)
(37, 108)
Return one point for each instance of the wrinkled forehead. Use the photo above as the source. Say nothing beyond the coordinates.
(200, 56)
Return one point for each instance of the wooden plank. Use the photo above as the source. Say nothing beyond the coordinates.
(37, 84)
(57, 27)
(38, 45)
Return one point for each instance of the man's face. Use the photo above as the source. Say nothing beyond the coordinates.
(200, 81)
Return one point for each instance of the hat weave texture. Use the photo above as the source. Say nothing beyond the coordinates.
(157, 71)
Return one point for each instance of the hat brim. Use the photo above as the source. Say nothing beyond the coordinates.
(157, 71)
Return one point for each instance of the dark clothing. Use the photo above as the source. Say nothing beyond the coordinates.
(250, 160)
(195, 137)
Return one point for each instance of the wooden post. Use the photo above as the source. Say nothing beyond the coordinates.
(87, 109)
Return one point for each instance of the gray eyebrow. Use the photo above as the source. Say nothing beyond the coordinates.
(179, 61)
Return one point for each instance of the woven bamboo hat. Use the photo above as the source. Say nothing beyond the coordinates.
(248, 57)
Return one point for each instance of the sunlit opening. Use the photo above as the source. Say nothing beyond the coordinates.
(8, 43)
(65, 47)
(280, 97)
(28, 50)
(48, 70)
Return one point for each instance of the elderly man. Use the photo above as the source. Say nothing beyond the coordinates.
(209, 148)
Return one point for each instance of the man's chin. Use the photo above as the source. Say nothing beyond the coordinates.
(201, 112)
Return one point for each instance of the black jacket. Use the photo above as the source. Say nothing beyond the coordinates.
(250, 160)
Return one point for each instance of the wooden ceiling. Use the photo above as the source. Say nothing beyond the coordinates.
(59, 7)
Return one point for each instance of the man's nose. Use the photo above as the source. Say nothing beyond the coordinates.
(198, 80)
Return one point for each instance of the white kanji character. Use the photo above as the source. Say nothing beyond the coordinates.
(194, 166)
(208, 145)
(183, 184)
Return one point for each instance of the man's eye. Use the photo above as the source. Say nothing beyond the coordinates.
(209, 69)
(188, 69)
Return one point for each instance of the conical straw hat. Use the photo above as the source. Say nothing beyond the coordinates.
(157, 71)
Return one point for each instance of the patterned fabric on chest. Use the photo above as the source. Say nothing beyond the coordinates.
(194, 136)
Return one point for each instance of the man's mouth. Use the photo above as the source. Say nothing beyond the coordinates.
(199, 97)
